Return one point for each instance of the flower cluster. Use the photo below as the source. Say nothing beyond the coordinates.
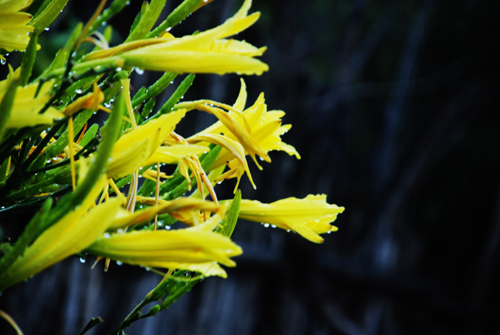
(74, 173)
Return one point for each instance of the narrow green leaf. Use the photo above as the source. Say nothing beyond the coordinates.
(48, 15)
(58, 146)
(107, 14)
(91, 324)
(178, 14)
(30, 233)
(152, 91)
(146, 110)
(175, 97)
(228, 224)
(149, 16)
(89, 134)
(6, 104)
(28, 60)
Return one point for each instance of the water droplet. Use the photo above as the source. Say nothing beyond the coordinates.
(316, 220)
(82, 260)
(119, 263)
(228, 251)
(120, 231)
(118, 69)
(262, 159)
(78, 91)
(167, 227)
(273, 226)
(266, 225)
(47, 29)
(147, 269)
(328, 232)
(107, 235)
(3, 61)
(139, 71)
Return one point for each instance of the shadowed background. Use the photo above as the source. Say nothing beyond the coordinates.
(394, 113)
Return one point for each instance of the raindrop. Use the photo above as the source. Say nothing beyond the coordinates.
(119, 263)
(139, 71)
(167, 227)
(262, 159)
(78, 91)
(118, 69)
(106, 235)
(120, 231)
(147, 269)
(47, 29)
(328, 232)
(273, 226)
(266, 225)
(82, 260)
(3, 61)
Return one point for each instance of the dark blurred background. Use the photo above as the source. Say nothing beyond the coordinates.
(395, 113)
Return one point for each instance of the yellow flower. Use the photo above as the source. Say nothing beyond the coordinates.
(195, 249)
(256, 129)
(206, 52)
(308, 217)
(133, 149)
(14, 28)
(26, 107)
(70, 235)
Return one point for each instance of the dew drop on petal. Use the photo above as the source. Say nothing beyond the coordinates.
(82, 260)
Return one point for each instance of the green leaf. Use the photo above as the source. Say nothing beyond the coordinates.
(228, 224)
(107, 14)
(48, 15)
(28, 60)
(30, 233)
(6, 105)
(152, 91)
(91, 324)
(178, 14)
(89, 134)
(58, 146)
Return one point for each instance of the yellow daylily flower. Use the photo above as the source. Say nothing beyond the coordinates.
(308, 217)
(206, 52)
(132, 149)
(262, 129)
(14, 28)
(73, 233)
(194, 249)
(26, 107)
